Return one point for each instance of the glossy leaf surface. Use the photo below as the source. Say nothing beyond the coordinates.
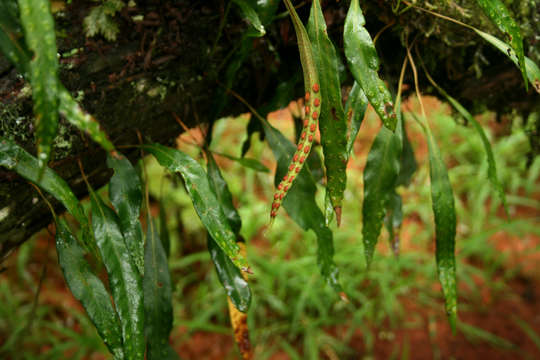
(124, 279)
(38, 25)
(499, 14)
(157, 295)
(364, 65)
(203, 197)
(332, 121)
(442, 199)
(380, 174)
(231, 278)
(76, 116)
(533, 72)
(253, 164)
(88, 289)
(125, 193)
(15, 158)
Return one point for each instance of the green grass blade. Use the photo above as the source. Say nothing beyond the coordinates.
(442, 199)
(364, 65)
(158, 311)
(203, 197)
(332, 122)
(528, 330)
(38, 24)
(301, 206)
(251, 16)
(236, 287)
(15, 158)
(533, 72)
(355, 108)
(380, 174)
(88, 289)
(125, 193)
(499, 14)
(124, 279)
(76, 116)
(250, 163)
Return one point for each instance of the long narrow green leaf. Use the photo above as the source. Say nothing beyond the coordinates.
(223, 194)
(332, 121)
(203, 197)
(442, 198)
(533, 72)
(17, 52)
(15, 158)
(157, 296)
(394, 219)
(125, 193)
(380, 174)
(124, 279)
(10, 31)
(251, 16)
(301, 205)
(408, 164)
(364, 65)
(355, 108)
(88, 289)
(492, 165)
(499, 14)
(76, 116)
(38, 24)
(236, 287)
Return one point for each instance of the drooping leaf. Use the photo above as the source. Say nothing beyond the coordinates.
(393, 220)
(247, 162)
(231, 278)
(301, 206)
(251, 16)
(236, 287)
(75, 115)
(157, 295)
(88, 289)
(125, 194)
(332, 122)
(364, 65)
(124, 279)
(442, 199)
(15, 158)
(164, 230)
(499, 14)
(533, 72)
(203, 197)
(492, 165)
(380, 174)
(224, 196)
(38, 25)
(355, 108)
